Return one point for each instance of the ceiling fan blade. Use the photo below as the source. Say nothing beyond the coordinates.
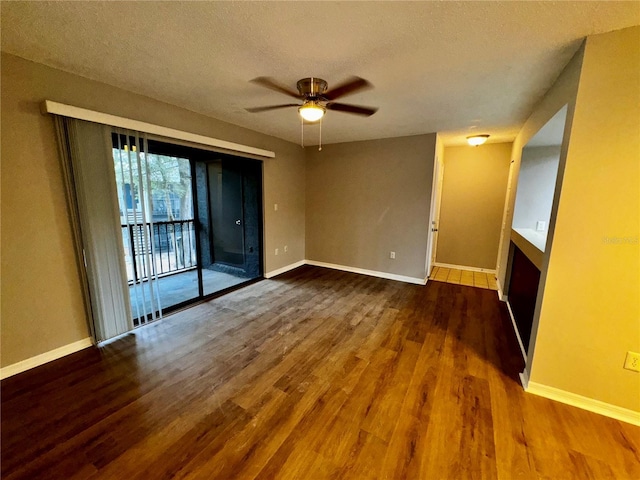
(356, 109)
(270, 107)
(348, 87)
(271, 84)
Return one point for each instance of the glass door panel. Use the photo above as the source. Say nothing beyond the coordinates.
(231, 238)
(158, 228)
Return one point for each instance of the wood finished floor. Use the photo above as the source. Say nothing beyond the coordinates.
(317, 374)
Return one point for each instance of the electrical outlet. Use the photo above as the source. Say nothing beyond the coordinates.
(392, 255)
(540, 226)
(275, 207)
(632, 362)
(276, 251)
(286, 249)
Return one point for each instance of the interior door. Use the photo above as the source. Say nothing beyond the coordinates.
(438, 175)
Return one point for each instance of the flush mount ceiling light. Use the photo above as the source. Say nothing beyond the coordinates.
(311, 111)
(476, 140)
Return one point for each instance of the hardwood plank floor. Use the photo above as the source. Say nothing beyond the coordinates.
(316, 374)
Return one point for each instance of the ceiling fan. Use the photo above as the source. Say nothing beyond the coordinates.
(315, 97)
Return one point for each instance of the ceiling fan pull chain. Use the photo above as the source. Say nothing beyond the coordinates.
(320, 147)
(302, 132)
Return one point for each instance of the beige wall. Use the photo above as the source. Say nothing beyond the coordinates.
(473, 196)
(365, 199)
(42, 306)
(590, 313)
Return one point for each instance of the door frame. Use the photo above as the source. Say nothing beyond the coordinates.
(434, 211)
(195, 154)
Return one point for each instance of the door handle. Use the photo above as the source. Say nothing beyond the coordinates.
(237, 222)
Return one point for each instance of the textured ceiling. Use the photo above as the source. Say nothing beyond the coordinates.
(450, 67)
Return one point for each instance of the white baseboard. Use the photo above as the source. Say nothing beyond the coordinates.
(43, 358)
(515, 329)
(585, 403)
(371, 273)
(345, 268)
(501, 296)
(284, 269)
(464, 267)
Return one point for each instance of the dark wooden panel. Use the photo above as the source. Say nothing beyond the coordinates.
(523, 291)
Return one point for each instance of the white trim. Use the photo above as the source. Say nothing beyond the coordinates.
(43, 358)
(524, 378)
(530, 250)
(113, 120)
(284, 269)
(433, 221)
(371, 273)
(515, 329)
(501, 296)
(585, 403)
(463, 267)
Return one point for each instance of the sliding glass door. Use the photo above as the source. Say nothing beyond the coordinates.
(191, 223)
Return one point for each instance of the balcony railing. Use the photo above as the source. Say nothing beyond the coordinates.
(174, 248)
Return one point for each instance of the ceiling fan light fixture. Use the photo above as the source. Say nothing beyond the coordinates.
(477, 140)
(311, 111)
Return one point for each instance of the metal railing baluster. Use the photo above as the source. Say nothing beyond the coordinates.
(183, 255)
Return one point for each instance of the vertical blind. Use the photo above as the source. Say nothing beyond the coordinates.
(91, 188)
(131, 162)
